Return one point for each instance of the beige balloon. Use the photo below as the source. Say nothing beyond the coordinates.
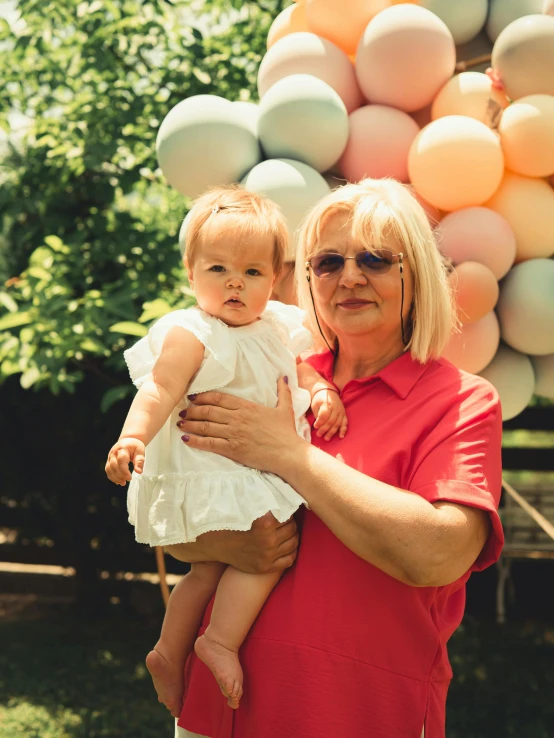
(527, 204)
(544, 373)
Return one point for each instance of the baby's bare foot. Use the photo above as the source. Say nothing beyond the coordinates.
(168, 681)
(224, 665)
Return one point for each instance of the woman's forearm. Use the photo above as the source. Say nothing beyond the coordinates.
(396, 530)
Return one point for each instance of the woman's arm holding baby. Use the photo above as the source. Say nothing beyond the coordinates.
(179, 360)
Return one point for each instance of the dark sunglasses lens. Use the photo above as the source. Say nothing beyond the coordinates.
(327, 264)
(375, 261)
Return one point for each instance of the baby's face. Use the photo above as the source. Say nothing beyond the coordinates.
(232, 276)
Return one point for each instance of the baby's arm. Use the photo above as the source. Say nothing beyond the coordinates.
(330, 415)
(179, 360)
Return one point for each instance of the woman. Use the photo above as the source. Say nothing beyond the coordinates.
(352, 642)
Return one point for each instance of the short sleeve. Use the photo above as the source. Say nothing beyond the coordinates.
(289, 320)
(460, 461)
(218, 367)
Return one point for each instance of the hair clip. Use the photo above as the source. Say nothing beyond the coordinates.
(215, 209)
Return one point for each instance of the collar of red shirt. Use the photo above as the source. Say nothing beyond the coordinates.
(400, 375)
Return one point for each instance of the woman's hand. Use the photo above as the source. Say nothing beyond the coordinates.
(254, 435)
(269, 546)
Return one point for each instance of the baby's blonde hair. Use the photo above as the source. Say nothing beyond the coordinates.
(242, 213)
(379, 208)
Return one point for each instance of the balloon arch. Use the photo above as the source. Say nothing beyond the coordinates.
(374, 90)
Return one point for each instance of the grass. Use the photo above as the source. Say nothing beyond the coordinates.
(62, 678)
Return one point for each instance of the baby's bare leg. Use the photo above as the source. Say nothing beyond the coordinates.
(183, 618)
(238, 601)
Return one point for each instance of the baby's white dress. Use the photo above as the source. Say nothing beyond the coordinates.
(184, 492)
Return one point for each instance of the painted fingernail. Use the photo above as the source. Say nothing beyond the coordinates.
(185, 438)
(286, 380)
(179, 424)
(183, 414)
(192, 397)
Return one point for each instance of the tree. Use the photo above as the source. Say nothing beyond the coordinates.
(89, 252)
(88, 243)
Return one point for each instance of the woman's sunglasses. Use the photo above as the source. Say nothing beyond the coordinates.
(327, 265)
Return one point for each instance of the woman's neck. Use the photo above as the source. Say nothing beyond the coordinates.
(357, 360)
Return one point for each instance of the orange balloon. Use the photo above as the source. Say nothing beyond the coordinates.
(456, 162)
(475, 289)
(342, 25)
(527, 203)
(474, 347)
(290, 20)
(527, 134)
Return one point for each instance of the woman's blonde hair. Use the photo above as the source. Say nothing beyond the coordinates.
(379, 208)
(241, 213)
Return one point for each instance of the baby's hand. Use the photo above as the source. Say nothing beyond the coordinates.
(125, 451)
(330, 415)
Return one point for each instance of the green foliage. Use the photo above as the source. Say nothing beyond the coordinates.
(88, 237)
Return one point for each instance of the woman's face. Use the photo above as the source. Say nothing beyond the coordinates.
(354, 303)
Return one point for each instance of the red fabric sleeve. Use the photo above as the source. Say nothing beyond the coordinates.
(460, 460)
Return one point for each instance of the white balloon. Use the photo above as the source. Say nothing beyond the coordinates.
(544, 375)
(511, 373)
(303, 118)
(526, 307)
(204, 142)
(503, 12)
(464, 18)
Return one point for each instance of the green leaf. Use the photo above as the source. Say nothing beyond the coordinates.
(115, 394)
(39, 273)
(13, 320)
(55, 243)
(8, 302)
(154, 310)
(93, 347)
(129, 328)
(29, 377)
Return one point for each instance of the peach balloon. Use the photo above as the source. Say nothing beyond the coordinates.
(456, 162)
(289, 20)
(434, 215)
(548, 7)
(475, 290)
(528, 206)
(527, 135)
(379, 143)
(422, 116)
(404, 57)
(344, 27)
(306, 53)
(478, 234)
(468, 94)
(511, 374)
(475, 345)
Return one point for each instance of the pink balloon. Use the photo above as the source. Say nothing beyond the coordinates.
(474, 347)
(404, 57)
(306, 53)
(379, 143)
(475, 289)
(478, 234)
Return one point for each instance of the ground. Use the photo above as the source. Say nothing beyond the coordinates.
(66, 677)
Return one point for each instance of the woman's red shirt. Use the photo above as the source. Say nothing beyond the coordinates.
(341, 648)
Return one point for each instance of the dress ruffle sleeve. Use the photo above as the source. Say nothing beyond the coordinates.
(289, 321)
(218, 367)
